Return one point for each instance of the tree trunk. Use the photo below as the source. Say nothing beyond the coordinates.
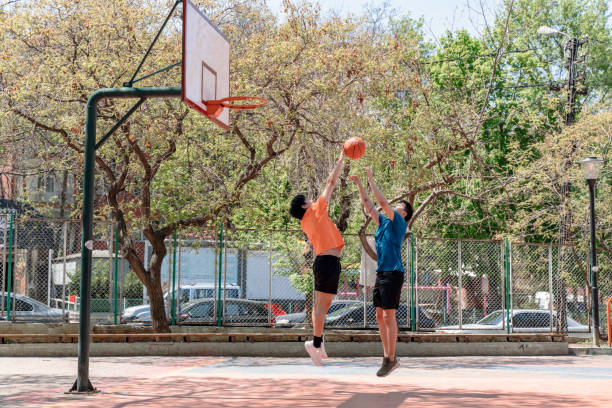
(156, 296)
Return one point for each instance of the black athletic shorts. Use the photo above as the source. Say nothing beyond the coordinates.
(326, 273)
(388, 289)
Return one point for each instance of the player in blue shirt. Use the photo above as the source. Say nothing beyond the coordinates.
(390, 271)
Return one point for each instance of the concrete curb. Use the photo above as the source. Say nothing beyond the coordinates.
(590, 351)
(286, 349)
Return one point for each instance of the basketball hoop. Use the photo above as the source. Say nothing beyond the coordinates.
(215, 107)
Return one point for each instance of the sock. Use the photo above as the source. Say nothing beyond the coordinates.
(317, 341)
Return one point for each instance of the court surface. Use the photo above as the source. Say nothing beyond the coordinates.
(283, 382)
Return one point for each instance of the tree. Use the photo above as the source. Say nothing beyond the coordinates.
(167, 169)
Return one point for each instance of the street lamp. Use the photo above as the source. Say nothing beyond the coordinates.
(545, 30)
(591, 166)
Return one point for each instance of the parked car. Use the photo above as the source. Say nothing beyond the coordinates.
(188, 293)
(352, 316)
(237, 311)
(523, 321)
(297, 319)
(30, 310)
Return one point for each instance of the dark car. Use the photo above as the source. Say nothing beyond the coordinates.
(352, 316)
(297, 319)
(236, 312)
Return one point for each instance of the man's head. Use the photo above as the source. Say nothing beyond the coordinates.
(299, 205)
(404, 209)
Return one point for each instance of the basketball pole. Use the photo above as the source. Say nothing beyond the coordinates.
(82, 383)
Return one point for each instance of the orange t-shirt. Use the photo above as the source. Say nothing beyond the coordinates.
(320, 229)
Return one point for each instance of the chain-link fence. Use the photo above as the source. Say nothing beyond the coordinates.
(264, 278)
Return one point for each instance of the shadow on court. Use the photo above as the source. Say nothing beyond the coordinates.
(266, 393)
(218, 382)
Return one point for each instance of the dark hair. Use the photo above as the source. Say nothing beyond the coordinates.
(408, 209)
(296, 209)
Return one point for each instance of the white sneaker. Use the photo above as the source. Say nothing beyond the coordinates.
(313, 352)
(323, 353)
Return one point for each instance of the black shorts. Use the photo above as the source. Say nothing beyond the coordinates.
(388, 289)
(326, 270)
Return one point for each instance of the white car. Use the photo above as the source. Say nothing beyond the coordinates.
(523, 321)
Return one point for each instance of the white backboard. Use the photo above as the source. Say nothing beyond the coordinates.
(206, 60)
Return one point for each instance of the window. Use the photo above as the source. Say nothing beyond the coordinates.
(22, 306)
(50, 184)
(18, 305)
(232, 309)
(202, 310)
(185, 295)
(537, 319)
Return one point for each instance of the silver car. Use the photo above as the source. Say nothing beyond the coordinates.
(523, 321)
(29, 310)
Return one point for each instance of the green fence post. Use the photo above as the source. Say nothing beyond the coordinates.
(219, 305)
(174, 288)
(412, 286)
(116, 305)
(507, 282)
(10, 270)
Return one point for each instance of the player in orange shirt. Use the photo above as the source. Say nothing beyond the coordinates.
(327, 244)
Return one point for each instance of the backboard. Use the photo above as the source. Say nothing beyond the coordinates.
(206, 60)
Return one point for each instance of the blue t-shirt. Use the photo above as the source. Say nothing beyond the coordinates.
(389, 237)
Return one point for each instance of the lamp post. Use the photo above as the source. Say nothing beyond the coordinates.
(591, 166)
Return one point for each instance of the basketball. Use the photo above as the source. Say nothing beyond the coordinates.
(354, 147)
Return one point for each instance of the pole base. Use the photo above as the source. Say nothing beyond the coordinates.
(90, 389)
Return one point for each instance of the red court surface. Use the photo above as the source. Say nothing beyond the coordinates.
(273, 382)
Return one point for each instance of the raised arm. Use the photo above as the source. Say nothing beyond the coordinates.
(367, 203)
(332, 179)
(382, 201)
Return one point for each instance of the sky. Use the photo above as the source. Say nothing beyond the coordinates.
(439, 15)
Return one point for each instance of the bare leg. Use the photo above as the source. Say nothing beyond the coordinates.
(319, 310)
(382, 327)
(391, 326)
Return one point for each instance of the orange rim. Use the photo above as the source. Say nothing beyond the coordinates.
(215, 107)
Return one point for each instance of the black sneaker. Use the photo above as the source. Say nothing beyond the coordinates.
(383, 367)
(387, 368)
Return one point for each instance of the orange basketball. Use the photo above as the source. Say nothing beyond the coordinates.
(354, 147)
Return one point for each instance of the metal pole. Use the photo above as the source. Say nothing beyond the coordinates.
(412, 284)
(116, 270)
(146, 264)
(64, 269)
(269, 280)
(550, 287)
(4, 266)
(510, 287)
(415, 251)
(82, 383)
(167, 306)
(174, 288)
(219, 310)
(460, 272)
(178, 286)
(10, 270)
(224, 281)
(16, 252)
(507, 283)
(594, 289)
(49, 274)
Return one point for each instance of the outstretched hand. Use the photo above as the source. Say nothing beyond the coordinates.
(354, 178)
(369, 173)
